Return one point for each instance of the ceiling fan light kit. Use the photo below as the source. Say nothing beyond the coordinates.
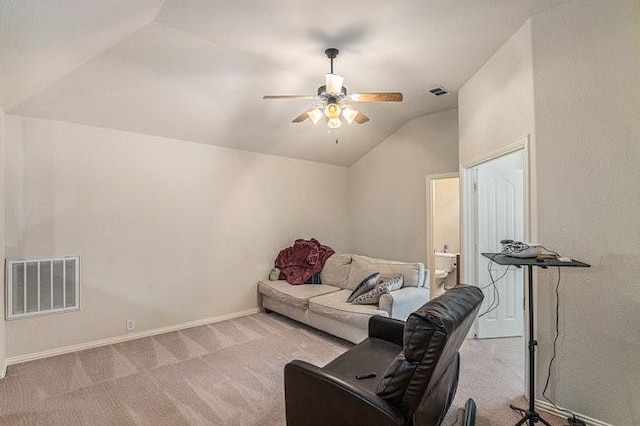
(333, 103)
(332, 110)
(334, 123)
(315, 115)
(333, 84)
(349, 114)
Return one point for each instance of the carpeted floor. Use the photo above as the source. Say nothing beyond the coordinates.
(227, 373)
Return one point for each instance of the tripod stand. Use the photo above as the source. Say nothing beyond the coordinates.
(530, 414)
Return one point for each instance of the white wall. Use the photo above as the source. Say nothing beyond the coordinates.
(388, 187)
(586, 69)
(496, 104)
(2, 255)
(570, 78)
(169, 231)
(446, 214)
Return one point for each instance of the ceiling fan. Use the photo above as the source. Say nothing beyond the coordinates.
(332, 101)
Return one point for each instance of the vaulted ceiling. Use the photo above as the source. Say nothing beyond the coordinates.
(196, 70)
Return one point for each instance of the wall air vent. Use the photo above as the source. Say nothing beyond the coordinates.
(42, 286)
(439, 91)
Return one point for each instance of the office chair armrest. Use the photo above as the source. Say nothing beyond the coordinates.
(316, 397)
(389, 329)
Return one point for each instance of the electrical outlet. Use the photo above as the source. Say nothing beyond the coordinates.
(131, 324)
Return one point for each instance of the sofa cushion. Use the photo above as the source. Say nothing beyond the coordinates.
(336, 270)
(293, 295)
(334, 305)
(373, 296)
(363, 266)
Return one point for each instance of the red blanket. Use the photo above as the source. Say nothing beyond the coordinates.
(302, 260)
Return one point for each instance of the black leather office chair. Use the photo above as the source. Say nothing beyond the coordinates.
(416, 364)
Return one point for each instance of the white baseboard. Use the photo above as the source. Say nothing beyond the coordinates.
(123, 338)
(3, 370)
(549, 408)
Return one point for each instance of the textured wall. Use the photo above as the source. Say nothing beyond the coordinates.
(587, 105)
(570, 78)
(388, 187)
(169, 231)
(2, 275)
(496, 104)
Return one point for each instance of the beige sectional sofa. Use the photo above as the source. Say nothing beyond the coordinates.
(325, 307)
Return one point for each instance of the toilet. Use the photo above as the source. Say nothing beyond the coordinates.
(444, 264)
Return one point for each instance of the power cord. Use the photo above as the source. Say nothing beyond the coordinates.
(509, 247)
(496, 294)
(573, 421)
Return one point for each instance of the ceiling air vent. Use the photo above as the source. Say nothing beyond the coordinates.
(439, 91)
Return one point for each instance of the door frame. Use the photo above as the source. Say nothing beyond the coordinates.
(429, 208)
(468, 228)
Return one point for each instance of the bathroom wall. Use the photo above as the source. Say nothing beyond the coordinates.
(446, 214)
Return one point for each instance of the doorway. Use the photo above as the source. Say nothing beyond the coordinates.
(443, 229)
(496, 190)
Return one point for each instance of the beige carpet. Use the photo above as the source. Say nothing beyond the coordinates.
(227, 373)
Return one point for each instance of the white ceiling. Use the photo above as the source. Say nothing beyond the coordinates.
(197, 69)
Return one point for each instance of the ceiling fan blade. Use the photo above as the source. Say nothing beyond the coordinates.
(377, 97)
(301, 97)
(361, 118)
(301, 117)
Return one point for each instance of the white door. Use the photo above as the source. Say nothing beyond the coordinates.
(499, 192)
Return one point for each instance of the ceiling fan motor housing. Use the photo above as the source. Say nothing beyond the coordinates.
(322, 91)
(331, 52)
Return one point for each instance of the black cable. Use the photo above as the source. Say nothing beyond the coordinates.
(495, 302)
(497, 279)
(508, 249)
(496, 294)
(555, 341)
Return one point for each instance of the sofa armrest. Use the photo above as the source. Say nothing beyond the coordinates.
(389, 329)
(400, 303)
(316, 397)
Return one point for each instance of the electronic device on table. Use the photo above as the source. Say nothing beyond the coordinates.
(520, 249)
(528, 250)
